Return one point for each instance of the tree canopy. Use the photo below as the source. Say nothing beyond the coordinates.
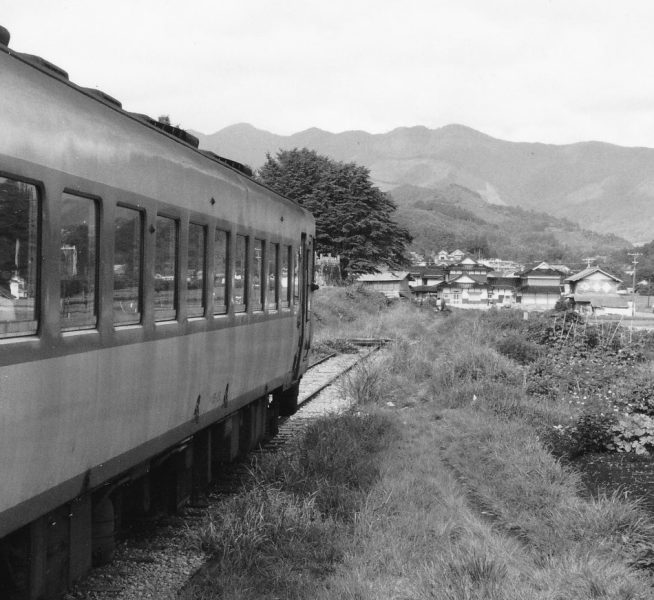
(354, 219)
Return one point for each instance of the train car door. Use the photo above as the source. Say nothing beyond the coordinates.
(304, 258)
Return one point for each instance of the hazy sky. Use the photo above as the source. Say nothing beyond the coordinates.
(556, 71)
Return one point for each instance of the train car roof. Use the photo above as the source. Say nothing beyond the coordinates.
(176, 133)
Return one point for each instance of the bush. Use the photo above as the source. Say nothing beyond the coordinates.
(637, 393)
(366, 383)
(594, 432)
(519, 349)
(633, 433)
(591, 432)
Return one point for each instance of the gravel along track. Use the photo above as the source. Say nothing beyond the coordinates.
(157, 563)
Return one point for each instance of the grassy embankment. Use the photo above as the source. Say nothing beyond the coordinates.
(438, 486)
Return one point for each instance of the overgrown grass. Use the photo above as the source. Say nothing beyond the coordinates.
(440, 486)
(293, 523)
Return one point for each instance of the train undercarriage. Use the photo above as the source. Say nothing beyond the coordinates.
(42, 559)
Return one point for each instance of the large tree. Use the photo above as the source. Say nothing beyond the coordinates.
(354, 219)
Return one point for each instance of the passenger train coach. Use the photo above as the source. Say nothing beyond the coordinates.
(154, 318)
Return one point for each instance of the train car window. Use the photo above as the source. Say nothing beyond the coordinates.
(240, 273)
(78, 264)
(258, 276)
(285, 275)
(165, 269)
(19, 248)
(273, 269)
(197, 245)
(128, 261)
(220, 262)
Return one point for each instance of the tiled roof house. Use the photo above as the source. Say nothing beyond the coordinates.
(594, 290)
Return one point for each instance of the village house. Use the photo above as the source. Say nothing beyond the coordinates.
(541, 286)
(503, 288)
(594, 291)
(445, 258)
(465, 291)
(468, 266)
(466, 284)
(392, 284)
(429, 276)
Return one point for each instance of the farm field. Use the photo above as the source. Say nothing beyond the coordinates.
(480, 463)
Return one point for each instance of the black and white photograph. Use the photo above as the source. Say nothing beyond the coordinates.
(308, 300)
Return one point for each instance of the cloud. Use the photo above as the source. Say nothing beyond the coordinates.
(549, 70)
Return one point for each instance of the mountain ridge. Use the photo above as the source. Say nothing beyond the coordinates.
(602, 186)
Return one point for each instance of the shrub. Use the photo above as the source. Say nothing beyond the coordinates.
(591, 432)
(637, 392)
(366, 383)
(518, 349)
(633, 433)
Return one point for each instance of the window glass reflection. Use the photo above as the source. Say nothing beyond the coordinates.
(78, 262)
(165, 270)
(195, 270)
(240, 273)
(220, 272)
(128, 236)
(285, 275)
(273, 264)
(19, 209)
(258, 287)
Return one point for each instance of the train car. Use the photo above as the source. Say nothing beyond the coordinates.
(154, 317)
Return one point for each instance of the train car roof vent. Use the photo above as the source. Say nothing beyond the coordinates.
(100, 95)
(179, 133)
(4, 36)
(228, 161)
(142, 117)
(44, 65)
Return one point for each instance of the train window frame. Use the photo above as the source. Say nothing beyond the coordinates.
(241, 307)
(273, 256)
(141, 270)
(167, 314)
(258, 274)
(286, 254)
(96, 202)
(35, 322)
(194, 311)
(222, 309)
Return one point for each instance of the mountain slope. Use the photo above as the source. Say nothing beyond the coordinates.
(456, 217)
(604, 187)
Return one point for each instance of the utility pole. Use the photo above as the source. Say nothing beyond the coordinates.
(633, 284)
(588, 261)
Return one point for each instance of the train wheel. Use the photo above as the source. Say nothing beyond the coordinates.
(287, 400)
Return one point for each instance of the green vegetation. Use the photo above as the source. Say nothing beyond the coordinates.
(354, 219)
(457, 217)
(442, 483)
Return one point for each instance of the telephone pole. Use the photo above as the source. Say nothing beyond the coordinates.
(633, 284)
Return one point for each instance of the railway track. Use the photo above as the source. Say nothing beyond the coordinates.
(154, 560)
